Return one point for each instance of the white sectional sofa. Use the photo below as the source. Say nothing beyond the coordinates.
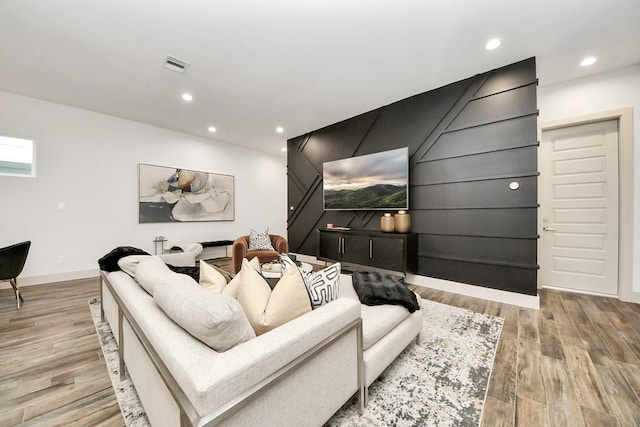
(298, 374)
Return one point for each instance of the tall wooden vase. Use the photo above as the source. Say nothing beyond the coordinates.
(402, 221)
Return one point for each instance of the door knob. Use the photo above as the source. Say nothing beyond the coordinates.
(548, 229)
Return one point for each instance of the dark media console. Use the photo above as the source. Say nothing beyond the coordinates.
(387, 251)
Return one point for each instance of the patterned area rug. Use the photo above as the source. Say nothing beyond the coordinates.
(442, 381)
(130, 406)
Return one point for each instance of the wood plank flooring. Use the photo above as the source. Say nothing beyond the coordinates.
(51, 368)
(576, 361)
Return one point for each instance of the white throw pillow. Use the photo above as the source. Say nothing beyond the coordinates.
(324, 285)
(215, 319)
(287, 262)
(260, 241)
(267, 309)
(211, 279)
(129, 264)
(152, 271)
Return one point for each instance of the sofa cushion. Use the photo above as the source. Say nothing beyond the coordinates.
(260, 241)
(267, 309)
(377, 320)
(152, 271)
(210, 278)
(213, 318)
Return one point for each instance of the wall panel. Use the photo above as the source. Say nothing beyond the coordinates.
(513, 223)
(492, 165)
(481, 194)
(489, 137)
(467, 141)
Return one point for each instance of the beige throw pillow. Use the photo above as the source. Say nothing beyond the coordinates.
(211, 279)
(267, 309)
(232, 288)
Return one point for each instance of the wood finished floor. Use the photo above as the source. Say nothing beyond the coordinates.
(576, 361)
(51, 368)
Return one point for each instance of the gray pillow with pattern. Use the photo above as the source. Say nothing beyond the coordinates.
(260, 241)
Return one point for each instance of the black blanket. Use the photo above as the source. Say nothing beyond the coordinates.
(109, 262)
(374, 288)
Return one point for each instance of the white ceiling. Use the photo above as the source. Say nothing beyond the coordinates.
(299, 64)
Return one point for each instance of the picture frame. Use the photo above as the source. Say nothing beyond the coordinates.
(170, 194)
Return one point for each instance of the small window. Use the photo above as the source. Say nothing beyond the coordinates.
(17, 157)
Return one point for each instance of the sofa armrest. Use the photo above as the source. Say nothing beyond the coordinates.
(238, 251)
(180, 259)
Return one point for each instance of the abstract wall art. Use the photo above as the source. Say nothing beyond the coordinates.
(168, 194)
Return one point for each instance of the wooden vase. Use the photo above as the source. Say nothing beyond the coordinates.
(402, 221)
(387, 223)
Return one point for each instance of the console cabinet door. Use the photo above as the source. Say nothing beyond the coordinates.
(329, 246)
(355, 249)
(393, 252)
(387, 253)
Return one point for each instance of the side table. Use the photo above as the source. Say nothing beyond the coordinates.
(157, 241)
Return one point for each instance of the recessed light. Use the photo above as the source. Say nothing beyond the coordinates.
(212, 129)
(590, 60)
(187, 97)
(492, 44)
(279, 129)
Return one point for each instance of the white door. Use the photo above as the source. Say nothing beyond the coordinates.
(578, 214)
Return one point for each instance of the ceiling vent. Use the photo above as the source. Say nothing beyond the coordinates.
(175, 64)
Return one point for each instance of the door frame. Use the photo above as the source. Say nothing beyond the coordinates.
(624, 116)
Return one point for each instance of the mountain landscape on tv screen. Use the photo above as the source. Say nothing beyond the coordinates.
(380, 196)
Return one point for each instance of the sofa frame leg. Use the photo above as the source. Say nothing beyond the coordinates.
(362, 388)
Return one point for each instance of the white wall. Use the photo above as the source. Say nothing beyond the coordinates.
(601, 93)
(89, 161)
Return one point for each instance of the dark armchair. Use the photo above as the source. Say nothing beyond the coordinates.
(240, 249)
(12, 259)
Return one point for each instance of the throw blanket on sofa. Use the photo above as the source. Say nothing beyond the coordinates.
(374, 288)
(109, 262)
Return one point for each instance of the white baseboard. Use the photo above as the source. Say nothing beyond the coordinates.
(58, 277)
(514, 298)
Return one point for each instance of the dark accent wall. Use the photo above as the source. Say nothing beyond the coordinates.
(467, 141)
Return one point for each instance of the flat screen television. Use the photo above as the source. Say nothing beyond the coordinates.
(378, 181)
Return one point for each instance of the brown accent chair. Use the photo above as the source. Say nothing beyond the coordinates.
(240, 250)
